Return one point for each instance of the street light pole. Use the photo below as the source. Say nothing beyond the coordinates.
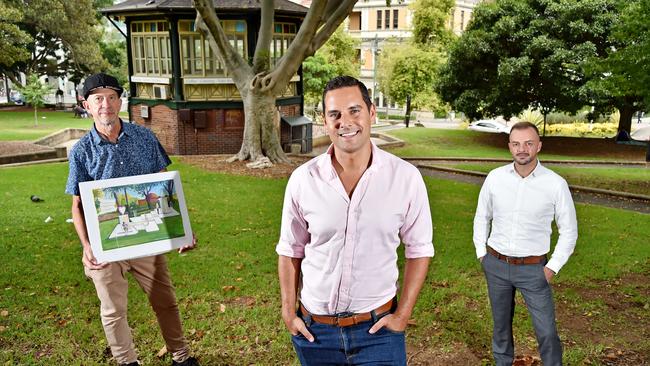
(375, 50)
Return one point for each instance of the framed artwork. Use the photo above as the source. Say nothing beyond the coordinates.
(136, 216)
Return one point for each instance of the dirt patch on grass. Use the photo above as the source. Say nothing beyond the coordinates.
(610, 319)
(218, 163)
(243, 301)
(614, 314)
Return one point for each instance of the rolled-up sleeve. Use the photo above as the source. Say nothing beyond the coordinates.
(417, 231)
(293, 231)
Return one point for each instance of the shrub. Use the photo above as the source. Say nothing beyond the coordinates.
(533, 116)
(582, 129)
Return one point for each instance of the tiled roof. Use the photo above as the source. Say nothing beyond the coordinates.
(133, 6)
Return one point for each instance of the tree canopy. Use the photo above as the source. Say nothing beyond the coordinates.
(407, 71)
(430, 18)
(13, 43)
(259, 82)
(517, 54)
(337, 57)
(59, 36)
(619, 76)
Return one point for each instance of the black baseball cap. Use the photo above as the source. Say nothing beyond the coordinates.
(101, 80)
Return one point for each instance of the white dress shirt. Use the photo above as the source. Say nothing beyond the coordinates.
(521, 211)
(349, 244)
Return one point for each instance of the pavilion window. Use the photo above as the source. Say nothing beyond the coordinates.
(283, 35)
(151, 49)
(197, 57)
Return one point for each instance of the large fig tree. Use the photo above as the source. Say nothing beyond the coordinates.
(259, 82)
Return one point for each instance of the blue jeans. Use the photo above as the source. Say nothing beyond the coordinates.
(503, 280)
(351, 345)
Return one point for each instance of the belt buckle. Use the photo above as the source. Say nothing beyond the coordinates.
(507, 259)
(340, 316)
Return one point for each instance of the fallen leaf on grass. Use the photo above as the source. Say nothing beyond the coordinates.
(4, 313)
(162, 352)
(229, 288)
(222, 308)
(412, 322)
(199, 334)
(2, 328)
(526, 361)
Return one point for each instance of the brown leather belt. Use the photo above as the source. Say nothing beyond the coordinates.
(347, 320)
(533, 259)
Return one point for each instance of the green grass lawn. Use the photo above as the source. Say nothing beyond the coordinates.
(16, 126)
(421, 142)
(228, 290)
(444, 143)
(20, 125)
(633, 180)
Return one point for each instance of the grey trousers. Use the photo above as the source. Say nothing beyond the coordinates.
(503, 280)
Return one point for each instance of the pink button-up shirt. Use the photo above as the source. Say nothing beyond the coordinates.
(349, 245)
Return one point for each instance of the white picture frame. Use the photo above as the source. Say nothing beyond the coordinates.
(135, 216)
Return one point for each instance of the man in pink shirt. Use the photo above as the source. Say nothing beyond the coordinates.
(345, 214)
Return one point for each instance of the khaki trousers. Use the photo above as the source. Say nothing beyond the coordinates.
(112, 287)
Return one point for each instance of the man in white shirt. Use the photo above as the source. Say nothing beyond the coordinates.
(519, 201)
(345, 213)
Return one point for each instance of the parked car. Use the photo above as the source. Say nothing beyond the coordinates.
(17, 98)
(489, 125)
(641, 134)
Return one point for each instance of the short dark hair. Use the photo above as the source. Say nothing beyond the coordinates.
(347, 81)
(522, 125)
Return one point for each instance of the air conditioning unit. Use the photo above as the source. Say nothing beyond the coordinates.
(161, 91)
(144, 111)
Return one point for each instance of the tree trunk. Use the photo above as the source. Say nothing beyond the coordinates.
(625, 119)
(117, 201)
(261, 134)
(544, 133)
(126, 199)
(35, 116)
(7, 90)
(407, 118)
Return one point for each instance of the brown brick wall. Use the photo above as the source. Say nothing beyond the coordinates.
(181, 138)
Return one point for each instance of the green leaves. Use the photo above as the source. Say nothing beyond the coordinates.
(527, 53)
(14, 40)
(336, 57)
(54, 37)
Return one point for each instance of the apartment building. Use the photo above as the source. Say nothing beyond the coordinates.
(373, 22)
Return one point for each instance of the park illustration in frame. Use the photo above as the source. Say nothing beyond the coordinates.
(135, 216)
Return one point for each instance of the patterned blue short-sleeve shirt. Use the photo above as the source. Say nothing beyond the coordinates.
(136, 152)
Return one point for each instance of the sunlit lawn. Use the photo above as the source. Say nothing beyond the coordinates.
(20, 125)
(228, 289)
(625, 179)
(423, 142)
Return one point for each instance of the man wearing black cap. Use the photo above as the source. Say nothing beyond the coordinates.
(115, 149)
